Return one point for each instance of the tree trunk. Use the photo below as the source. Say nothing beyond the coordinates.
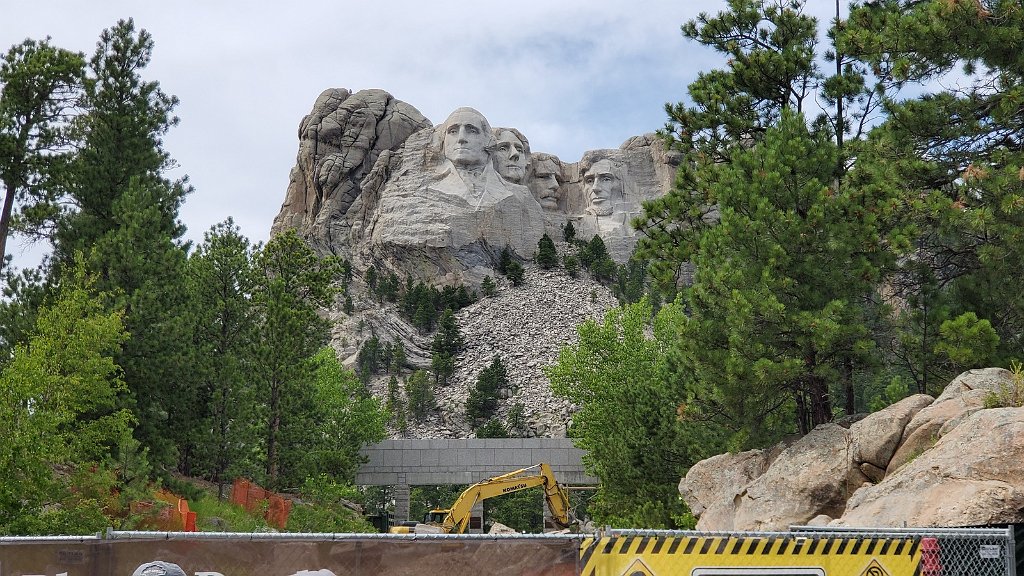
(273, 432)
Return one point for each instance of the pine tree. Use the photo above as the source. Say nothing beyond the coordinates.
(487, 286)
(123, 216)
(547, 257)
(514, 272)
(220, 282)
(774, 299)
(292, 286)
(39, 87)
(482, 401)
(420, 395)
(504, 260)
(446, 345)
(568, 232)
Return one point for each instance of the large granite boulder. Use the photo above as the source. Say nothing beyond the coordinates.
(920, 462)
(812, 477)
(963, 396)
(972, 476)
(877, 436)
(711, 487)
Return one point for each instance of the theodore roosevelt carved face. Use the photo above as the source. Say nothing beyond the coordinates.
(544, 180)
(466, 138)
(603, 188)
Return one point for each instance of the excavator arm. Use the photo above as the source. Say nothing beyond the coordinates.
(456, 519)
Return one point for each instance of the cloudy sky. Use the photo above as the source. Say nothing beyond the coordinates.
(572, 75)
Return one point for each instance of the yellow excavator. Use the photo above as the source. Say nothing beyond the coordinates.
(454, 520)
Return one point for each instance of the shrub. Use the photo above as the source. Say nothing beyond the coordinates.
(1009, 395)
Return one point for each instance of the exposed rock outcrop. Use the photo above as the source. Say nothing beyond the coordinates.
(377, 183)
(920, 462)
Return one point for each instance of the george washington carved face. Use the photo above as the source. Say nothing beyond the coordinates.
(466, 138)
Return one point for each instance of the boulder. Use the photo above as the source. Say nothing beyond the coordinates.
(987, 379)
(971, 476)
(812, 477)
(876, 437)
(962, 397)
(720, 478)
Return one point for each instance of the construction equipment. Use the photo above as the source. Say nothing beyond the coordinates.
(454, 520)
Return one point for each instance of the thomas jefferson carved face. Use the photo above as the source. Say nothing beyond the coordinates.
(544, 182)
(466, 136)
(603, 187)
(511, 157)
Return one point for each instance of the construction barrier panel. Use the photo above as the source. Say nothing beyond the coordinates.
(290, 555)
(275, 508)
(611, 553)
(781, 554)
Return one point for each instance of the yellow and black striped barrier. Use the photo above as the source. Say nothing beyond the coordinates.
(753, 555)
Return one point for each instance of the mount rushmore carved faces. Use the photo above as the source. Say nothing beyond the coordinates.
(512, 154)
(545, 179)
(467, 136)
(602, 187)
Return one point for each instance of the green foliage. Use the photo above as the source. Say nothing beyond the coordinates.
(420, 395)
(327, 507)
(627, 422)
(515, 273)
(423, 499)
(423, 304)
(482, 401)
(39, 87)
(510, 267)
(395, 407)
(522, 511)
(957, 153)
(517, 424)
(775, 319)
(504, 259)
(120, 211)
(487, 286)
(493, 428)
(1009, 395)
(896, 390)
(572, 265)
(20, 300)
(631, 281)
(292, 285)
(59, 408)
(345, 418)
(445, 346)
(568, 232)
(220, 284)
(593, 255)
(369, 360)
(547, 256)
(967, 341)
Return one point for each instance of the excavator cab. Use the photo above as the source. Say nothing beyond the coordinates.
(435, 517)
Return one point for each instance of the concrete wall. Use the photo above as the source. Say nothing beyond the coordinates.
(468, 460)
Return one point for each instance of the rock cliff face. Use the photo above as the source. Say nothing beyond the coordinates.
(924, 462)
(376, 183)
